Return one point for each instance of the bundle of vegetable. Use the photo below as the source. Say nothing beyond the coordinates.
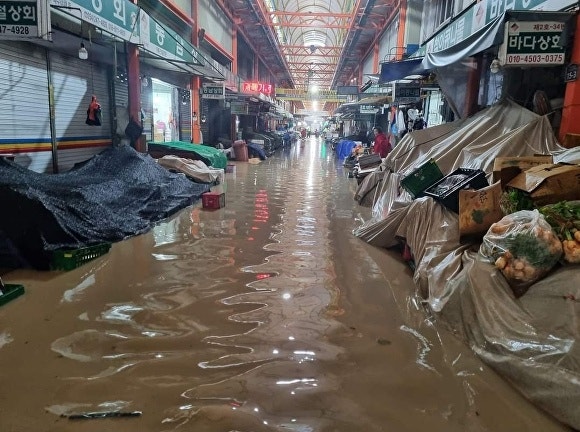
(564, 218)
(513, 200)
(523, 247)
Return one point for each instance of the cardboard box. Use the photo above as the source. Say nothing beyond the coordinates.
(213, 200)
(479, 209)
(549, 183)
(571, 140)
(506, 168)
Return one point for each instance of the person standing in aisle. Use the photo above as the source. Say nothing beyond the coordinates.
(382, 146)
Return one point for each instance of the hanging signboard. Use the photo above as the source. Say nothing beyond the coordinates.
(213, 91)
(118, 17)
(368, 109)
(406, 92)
(530, 43)
(166, 43)
(238, 107)
(299, 94)
(253, 87)
(571, 72)
(481, 14)
(23, 19)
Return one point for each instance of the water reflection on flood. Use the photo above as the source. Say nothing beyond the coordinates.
(266, 315)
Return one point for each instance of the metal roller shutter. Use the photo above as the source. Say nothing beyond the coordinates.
(24, 116)
(75, 81)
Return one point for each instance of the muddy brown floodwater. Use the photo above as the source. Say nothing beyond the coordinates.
(266, 315)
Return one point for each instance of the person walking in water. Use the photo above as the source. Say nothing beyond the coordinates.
(382, 146)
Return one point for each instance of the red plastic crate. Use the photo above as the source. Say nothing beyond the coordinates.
(213, 200)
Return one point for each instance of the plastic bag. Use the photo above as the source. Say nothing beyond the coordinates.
(523, 247)
(564, 218)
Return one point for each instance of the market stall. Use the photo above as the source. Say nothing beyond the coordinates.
(519, 316)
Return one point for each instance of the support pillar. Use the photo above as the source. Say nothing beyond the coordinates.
(134, 82)
(571, 110)
(196, 137)
(401, 33)
(134, 87)
(472, 91)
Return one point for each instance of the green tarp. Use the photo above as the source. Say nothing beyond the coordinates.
(211, 156)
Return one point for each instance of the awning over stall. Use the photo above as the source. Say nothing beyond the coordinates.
(354, 107)
(393, 71)
(177, 67)
(375, 100)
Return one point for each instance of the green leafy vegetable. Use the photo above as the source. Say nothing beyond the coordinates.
(536, 251)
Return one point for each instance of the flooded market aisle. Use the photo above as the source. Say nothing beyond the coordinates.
(266, 315)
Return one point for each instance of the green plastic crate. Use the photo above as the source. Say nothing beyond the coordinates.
(71, 259)
(419, 180)
(10, 292)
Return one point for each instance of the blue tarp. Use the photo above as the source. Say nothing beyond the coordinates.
(344, 148)
(255, 149)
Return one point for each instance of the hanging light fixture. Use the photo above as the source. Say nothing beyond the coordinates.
(83, 53)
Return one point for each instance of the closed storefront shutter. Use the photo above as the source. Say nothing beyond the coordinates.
(24, 112)
(75, 81)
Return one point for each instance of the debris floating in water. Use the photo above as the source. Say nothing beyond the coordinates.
(104, 414)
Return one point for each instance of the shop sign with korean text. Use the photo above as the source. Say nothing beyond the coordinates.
(368, 109)
(166, 43)
(213, 91)
(117, 17)
(22, 19)
(532, 43)
(483, 13)
(257, 87)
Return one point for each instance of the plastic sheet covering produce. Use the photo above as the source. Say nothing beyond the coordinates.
(505, 129)
(195, 169)
(116, 194)
(210, 156)
(530, 340)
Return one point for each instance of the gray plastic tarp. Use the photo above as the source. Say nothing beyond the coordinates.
(530, 340)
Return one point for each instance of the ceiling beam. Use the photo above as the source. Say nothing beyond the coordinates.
(324, 51)
(310, 24)
(304, 67)
(311, 14)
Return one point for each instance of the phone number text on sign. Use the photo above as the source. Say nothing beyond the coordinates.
(534, 59)
(18, 30)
